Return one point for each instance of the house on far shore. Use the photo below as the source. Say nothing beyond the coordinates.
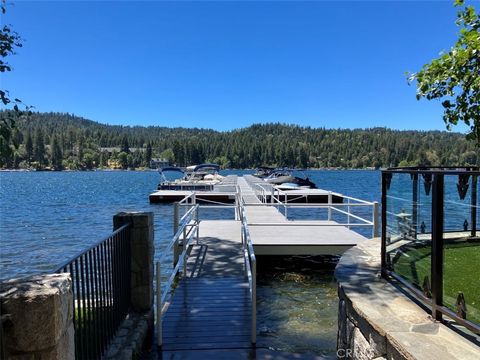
(156, 163)
(111, 150)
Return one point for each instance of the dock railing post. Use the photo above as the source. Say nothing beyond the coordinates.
(348, 211)
(197, 223)
(176, 218)
(375, 232)
(254, 302)
(329, 206)
(159, 307)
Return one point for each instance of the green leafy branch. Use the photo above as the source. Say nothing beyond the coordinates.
(454, 77)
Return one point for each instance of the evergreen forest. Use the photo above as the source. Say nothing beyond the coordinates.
(62, 141)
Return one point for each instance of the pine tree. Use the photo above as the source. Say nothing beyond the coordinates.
(55, 154)
(148, 154)
(29, 147)
(39, 148)
(125, 147)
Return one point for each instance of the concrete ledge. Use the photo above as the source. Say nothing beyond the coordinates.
(376, 320)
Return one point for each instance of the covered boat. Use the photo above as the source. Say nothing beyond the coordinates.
(197, 177)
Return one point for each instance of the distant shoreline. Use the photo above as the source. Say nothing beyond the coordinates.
(155, 170)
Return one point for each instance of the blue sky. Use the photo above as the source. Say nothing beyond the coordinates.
(226, 65)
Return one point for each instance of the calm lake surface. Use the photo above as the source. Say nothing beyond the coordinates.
(49, 217)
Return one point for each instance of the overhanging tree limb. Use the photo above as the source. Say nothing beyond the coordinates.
(454, 77)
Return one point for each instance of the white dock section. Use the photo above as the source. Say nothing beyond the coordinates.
(273, 234)
(213, 305)
(224, 193)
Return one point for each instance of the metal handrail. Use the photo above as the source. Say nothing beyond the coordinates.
(188, 226)
(250, 269)
(317, 224)
(277, 193)
(330, 206)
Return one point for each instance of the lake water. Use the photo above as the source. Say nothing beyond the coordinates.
(48, 217)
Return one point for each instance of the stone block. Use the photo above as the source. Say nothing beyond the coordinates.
(349, 331)
(65, 349)
(40, 309)
(142, 298)
(29, 356)
(126, 354)
(342, 324)
(360, 346)
(138, 219)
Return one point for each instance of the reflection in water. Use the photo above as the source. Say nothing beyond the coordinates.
(297, 304)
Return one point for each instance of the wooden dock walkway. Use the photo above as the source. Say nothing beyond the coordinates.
(211, 307)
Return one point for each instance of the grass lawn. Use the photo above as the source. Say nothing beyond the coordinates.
(461, 273)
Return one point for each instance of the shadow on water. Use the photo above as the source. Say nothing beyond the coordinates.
(297, 305)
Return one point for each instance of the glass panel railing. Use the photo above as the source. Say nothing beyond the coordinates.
(461, 249)
(409, 228)
(431, 238)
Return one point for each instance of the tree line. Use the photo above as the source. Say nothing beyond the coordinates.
(64, 141)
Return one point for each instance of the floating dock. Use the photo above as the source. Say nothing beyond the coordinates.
(273, 234)
(211, 306)
(225, 193)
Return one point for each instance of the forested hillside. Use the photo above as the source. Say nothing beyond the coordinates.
(65, 141)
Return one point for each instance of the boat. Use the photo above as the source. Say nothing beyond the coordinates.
(284, 179)
(197, 177)
(263, 171)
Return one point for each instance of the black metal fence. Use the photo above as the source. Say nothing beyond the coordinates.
(430, 241)
(101, 292)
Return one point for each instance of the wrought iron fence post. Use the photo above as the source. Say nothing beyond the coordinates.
(473, 214)
(437, 245)
(414, 204)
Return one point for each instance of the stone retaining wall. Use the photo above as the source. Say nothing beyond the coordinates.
(132, 337)
(378, 321)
